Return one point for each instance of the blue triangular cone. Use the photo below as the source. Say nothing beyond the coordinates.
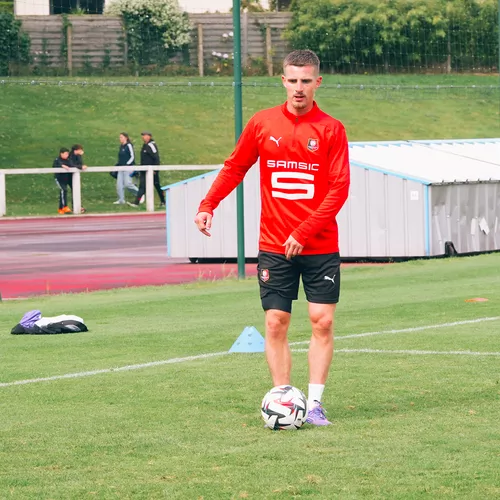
(250, 340)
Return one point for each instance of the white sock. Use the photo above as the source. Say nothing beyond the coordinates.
(315, 395)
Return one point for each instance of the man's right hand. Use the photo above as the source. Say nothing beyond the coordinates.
(204, 222)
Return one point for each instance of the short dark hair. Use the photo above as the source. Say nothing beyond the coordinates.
(63, 150)
(301, 58)
(76, 146)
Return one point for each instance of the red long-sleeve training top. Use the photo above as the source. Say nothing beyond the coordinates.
(304, 177)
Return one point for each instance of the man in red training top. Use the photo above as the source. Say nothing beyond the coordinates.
(304, 179)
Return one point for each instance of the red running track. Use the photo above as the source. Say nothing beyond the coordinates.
(94, 252)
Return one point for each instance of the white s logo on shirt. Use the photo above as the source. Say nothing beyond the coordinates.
(292, 190)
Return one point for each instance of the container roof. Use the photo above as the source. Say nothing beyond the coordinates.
(432, 162)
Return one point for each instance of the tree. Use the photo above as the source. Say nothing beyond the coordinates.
(155, 29)
(14, 42)
(251, 6)
(279, 5)
(394, 35)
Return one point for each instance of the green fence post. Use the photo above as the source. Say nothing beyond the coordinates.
(238, 127)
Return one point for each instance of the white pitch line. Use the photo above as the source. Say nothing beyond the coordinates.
(409, 330)
(214, 354)
(402, 351)
(112, 370)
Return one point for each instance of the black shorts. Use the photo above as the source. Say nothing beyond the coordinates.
(279, 279)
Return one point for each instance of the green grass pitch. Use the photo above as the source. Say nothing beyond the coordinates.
(414, 424)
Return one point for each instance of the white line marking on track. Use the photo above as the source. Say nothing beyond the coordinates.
(215, 354)
(412, 352)
(410, 330)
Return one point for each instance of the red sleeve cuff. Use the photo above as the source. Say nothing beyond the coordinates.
(300, 239)
(205, 207)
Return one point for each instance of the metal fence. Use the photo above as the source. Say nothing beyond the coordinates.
(76, 189)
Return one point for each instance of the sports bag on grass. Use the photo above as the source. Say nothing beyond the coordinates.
(33, 323)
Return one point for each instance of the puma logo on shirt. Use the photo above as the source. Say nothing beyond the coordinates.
(277, 141)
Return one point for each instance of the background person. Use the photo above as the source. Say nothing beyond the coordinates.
(149, 156)
(126, 157)
(76, 161)
(76, 157)
(63, 180)
(304, 179)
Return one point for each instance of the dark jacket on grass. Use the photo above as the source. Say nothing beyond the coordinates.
(126, 155)
(75, 161)
(64, 178)
(150, 154)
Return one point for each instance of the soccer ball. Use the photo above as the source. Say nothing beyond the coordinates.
(284, 407)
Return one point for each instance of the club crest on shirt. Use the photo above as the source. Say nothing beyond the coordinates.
(264, 275)
(313, 144)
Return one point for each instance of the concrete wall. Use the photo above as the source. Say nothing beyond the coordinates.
(31, 7)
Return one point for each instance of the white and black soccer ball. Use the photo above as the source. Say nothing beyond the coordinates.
(284, 407)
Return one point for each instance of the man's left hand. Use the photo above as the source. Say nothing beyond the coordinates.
(292, 247)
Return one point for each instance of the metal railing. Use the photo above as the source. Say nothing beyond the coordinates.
(77, 190)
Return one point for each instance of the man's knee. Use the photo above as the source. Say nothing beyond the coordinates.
(324, 323)
(277, 323)
(322, 319)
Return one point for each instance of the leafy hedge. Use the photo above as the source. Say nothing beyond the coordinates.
(396, 35)
(155, 29)
(14, 43)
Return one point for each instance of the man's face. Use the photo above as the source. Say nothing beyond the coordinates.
(146, 137)
(79, 151)
(301, 83)
(64, 155)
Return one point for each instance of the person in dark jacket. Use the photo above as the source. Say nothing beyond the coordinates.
(76, 157)
(126, 157)
(63, 180)
(149, 156)
(75, 160)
